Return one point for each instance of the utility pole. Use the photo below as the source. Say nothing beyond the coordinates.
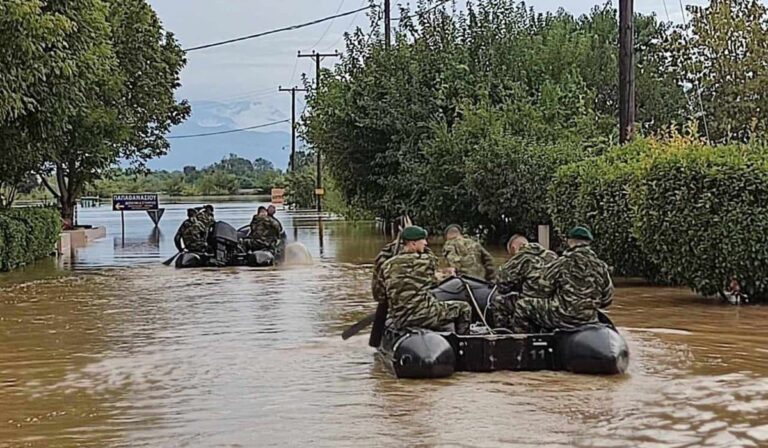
(319, 182)
(293, 91)
(626, 71)
(387, 23)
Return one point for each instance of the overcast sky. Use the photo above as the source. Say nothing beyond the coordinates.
(252, 70)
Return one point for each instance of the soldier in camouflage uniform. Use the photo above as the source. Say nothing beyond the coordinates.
(265, 232)
(408, 278)
(518, 277)
(205, 216)
(575, 286)
(192, 233)
(467, 256)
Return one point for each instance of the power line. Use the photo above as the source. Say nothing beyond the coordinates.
(328, 28)
(279, 30)
(231, 131)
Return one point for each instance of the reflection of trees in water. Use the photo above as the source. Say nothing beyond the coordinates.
(150, 243)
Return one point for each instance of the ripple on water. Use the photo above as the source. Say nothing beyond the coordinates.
(153, 356)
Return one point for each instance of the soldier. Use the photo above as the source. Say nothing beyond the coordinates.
(517, 277)
(408, 278)
(575, 286)
(467, 256)
(265, 232)
(191, 233)
(271, 213)
(206, 216)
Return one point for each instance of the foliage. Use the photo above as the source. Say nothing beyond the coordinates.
(128, 103)
(701, 213)
(485, 103)
(721, 55)
(596, 193)
(226, 177)
(26, 235)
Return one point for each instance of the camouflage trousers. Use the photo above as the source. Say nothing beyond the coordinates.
(436, 315)
(523, 314)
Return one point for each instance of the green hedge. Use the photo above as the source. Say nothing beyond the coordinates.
(678, 211)
(27, 234)
(702, 216)
(595, 192)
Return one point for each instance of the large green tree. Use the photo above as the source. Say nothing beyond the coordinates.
(130, 103)
(33, 60)
(467, 116)
(721, 55)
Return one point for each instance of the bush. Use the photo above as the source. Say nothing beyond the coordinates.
(26, 235)
(596, 193)
(702, 215)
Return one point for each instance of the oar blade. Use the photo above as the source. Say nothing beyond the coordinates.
(358, 327)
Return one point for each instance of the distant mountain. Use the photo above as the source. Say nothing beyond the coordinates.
(273, 144)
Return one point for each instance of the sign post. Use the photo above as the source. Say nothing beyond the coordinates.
(148, 202)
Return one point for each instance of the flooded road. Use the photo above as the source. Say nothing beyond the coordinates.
(116, 350)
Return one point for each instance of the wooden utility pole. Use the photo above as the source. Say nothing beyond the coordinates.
(319, 182)
(626, 71)
(387, 23)
(293, 91)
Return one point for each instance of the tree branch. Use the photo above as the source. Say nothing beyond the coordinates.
(49, 187)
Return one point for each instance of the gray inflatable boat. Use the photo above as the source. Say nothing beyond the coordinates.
(417, 353)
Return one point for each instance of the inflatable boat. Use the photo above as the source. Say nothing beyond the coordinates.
(227, 250)
(417, 353)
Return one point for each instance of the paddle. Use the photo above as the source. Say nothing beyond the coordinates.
(356, 328)
(170, 260)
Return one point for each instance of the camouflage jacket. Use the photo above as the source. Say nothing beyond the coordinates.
(377, 281)
(206, 218)
(468, 257)
(265, 230)
(407, 280)
(520, 273)
(579, 283)
(192, 233)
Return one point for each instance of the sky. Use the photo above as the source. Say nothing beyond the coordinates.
(253, 70)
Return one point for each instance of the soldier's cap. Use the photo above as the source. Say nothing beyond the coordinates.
(452, 227)
(208, 207)
(580, 233)
(191, 211)
(414, 233)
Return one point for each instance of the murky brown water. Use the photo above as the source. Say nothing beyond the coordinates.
(117, 350)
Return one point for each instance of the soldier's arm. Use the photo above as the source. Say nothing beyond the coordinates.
(451, 255)
(546, 282)
(490, 269)
(510, 275)
(606, 295)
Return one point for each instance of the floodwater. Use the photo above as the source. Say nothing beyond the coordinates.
(116, 350)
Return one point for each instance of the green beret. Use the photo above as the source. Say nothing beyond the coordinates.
(580, 233)
(413, 233)
(451, 227)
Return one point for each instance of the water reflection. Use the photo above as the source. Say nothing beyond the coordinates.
(117, 350)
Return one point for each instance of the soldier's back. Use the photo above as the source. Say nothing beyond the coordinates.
(407, 280)
(465, 255)
(583, 281)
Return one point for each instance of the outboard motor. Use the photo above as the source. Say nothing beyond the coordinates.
(225, 243)
(423, 354)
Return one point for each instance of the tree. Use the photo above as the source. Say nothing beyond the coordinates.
(261, 165)
(33, 60)
(128, 107)
(721, 57)
(236, 165)
(466, 115)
